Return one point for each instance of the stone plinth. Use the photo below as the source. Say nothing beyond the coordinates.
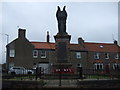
(62, 47)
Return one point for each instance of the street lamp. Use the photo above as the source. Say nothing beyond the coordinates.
(7, 38)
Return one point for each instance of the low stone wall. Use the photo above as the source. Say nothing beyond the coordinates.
(80, 84)
(11, 84)
(98, 83)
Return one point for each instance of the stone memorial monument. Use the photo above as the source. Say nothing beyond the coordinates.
(62, 39)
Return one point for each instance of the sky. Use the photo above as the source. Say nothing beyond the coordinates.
(93, 21)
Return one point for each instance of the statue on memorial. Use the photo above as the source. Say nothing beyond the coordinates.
(61, 18)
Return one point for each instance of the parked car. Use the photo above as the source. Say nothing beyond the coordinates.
(19, 70)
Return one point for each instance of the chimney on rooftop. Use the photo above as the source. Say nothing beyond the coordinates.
(21, 33)
(115, 42)
(81, 42)
(48, 37)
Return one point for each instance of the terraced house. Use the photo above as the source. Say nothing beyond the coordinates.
(98, 56)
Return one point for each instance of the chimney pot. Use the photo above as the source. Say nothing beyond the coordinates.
(48, 37)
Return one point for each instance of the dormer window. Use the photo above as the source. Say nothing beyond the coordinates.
(106, 55)
(101, 46)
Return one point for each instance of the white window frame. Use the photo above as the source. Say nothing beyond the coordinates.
(117, 56)
(35, 51)
(107, 56)
(43, 55)
(78, 55)
(116, 66)
(96, 55)
(99, 65)
(12, 52)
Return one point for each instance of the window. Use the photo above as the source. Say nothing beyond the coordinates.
(96, 55)
(35, 64)
(79, 65)
(43, 54)
(116, 66)
(98, 66)
(106, 55)
(78, 55)
(12, 52)
(11, 64)
(117, 56)
(35, 53)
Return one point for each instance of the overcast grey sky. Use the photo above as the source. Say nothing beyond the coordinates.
(93, 21)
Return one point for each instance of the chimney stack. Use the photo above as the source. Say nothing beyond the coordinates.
(80, 40)
(115, 42)
(48, 37)
(21, 33)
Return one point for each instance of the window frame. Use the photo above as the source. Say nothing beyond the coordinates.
(12, 53)
(116, 66)
(43, 55)
(78, 55)
(107, 56)
(117, 56)
(35, 56)
(97, 66)
(96, 55)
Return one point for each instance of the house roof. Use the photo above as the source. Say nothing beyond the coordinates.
(43, 45)
(102, 47)
(96, 47)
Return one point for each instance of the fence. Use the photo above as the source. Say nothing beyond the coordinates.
(80, 74)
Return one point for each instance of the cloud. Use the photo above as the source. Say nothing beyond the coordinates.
(93, 21)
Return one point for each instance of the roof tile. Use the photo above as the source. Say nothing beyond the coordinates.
(96, 47)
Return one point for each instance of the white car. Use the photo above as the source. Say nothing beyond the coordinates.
(19, 70)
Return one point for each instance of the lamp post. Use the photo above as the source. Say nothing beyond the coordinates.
(6, 43)
(7, 38)
(6, 51)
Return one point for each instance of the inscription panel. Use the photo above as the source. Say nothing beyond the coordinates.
(62, 52)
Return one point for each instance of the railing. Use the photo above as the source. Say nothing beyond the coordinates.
(80, 74)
